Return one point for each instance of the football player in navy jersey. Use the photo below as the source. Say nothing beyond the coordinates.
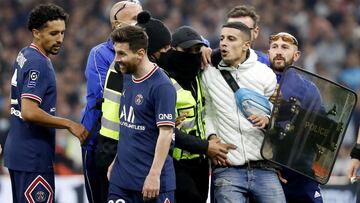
(143, 169)
(30, 145)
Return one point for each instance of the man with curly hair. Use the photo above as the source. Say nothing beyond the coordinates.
(30, 145)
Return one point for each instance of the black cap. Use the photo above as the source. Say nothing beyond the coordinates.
(186, 37)
(159, 35)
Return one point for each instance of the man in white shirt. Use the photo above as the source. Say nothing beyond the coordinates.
(247, 173)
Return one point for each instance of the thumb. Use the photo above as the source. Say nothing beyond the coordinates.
(231, 146)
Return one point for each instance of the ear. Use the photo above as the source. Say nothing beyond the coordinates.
(297, 55)
(246, 45)
(113, 25)
(256, 32)
(36, 33)
(141, 53)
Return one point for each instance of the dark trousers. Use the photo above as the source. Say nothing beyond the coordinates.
(95, 165)
(96, 182)
(192, 180)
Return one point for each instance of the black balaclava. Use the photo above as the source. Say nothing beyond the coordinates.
(181, 66)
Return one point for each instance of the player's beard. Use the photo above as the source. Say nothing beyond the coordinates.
(280, 68)
(54, 50)
(127, 68)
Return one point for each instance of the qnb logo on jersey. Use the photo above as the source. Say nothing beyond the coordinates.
(15, 112)
(164, 116)
(127, 119)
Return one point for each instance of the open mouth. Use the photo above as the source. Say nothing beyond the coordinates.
(121, 66)
(224, 52)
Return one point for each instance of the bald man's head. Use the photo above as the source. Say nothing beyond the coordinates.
(124, 12)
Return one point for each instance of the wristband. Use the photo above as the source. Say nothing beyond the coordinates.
(355, 152)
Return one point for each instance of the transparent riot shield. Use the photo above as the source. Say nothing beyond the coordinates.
(308, 123)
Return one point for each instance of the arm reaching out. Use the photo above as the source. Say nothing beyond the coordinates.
(31, 112)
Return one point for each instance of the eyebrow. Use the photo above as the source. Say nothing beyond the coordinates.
(115, 18)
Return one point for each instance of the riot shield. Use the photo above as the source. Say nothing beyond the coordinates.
(308, 123)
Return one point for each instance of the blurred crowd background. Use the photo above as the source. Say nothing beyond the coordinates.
(328, 31)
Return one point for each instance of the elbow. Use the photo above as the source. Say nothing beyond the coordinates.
(26, 115)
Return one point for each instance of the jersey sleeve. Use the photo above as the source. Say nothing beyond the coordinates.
(35, 80)
(165, 101)
(95, 74)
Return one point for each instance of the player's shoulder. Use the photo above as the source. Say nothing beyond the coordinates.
(160, 77)
(29, 58)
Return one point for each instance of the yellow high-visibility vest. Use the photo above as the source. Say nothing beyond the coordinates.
(110, 123)
(194, 123)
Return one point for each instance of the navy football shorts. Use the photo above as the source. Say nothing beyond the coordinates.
(120, 195)
(30, 187)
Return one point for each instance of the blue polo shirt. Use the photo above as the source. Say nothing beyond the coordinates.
(30, 147)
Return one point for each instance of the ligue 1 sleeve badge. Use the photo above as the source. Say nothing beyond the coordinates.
(33, 77)
(139, 99)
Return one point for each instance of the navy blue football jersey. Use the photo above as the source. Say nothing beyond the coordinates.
(30, 147)
(146, 104)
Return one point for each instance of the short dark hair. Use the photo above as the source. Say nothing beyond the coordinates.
(43, 13)
(239, 26)
(244, 11)
(134, 35)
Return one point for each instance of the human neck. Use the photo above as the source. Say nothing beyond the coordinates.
(241, 60)
(41, 49)
(144, 68)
